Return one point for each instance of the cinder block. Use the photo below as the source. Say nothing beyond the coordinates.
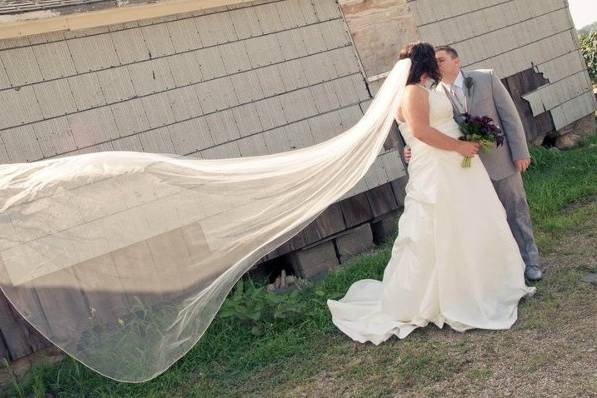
(116, 84)
(398, 186)
(130, 117)
(158, 110)
(55, 98)
(93, 53)
(21, 66)
(21, 144)
(314, 262)
(54, 136)
(385, 228)
(87, 91)
(151, 76)
(158, 40)
(54, 60)
(130, 46)
(354, 241)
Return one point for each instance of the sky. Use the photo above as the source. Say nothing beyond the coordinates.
(583, 12)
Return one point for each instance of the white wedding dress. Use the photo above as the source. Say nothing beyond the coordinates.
(455, 260)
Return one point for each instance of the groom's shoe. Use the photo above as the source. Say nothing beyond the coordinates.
(533, 273)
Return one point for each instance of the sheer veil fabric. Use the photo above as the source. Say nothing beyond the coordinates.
(122, 259)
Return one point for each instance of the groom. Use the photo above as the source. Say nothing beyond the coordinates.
(481, 93)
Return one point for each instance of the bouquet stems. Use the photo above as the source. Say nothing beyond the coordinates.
(466, 162)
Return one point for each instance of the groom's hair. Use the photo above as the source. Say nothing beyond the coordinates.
(453, 53)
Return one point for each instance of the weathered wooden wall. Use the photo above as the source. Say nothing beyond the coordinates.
(259, 78)
(511, 36)
(379, 29)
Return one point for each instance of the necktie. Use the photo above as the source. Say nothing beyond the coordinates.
(458, 97)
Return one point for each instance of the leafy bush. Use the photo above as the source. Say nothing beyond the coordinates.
(588, 47)
(262, 310)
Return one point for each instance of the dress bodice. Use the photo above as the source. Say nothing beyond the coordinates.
(440, 116)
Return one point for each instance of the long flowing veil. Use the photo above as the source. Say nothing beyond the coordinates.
(122, 259)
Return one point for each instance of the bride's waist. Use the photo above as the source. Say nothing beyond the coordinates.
(449, 128)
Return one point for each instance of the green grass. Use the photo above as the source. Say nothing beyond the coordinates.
(301, 354)
(555, 183)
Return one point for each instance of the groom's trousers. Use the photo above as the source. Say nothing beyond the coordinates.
(510, 191)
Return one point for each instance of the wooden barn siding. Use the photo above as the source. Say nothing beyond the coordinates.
(288, 76)
(511, 36)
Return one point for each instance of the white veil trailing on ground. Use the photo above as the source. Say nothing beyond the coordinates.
(122, 259)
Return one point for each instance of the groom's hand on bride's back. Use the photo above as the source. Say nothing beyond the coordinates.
(407, 154)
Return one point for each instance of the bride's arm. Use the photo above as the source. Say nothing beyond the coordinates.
(415, 111)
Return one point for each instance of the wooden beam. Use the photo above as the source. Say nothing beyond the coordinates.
(52, 22)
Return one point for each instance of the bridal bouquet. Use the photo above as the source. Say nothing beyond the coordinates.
(482, 130)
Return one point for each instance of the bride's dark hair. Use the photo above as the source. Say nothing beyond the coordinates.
(423, 60)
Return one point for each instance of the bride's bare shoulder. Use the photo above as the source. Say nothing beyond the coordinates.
(415, 92)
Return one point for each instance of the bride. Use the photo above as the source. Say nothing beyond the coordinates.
(455, 260)
(123, 259)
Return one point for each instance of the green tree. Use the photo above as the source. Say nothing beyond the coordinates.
(588, 47)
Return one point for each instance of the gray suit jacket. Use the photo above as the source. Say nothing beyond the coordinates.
(489, 97)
